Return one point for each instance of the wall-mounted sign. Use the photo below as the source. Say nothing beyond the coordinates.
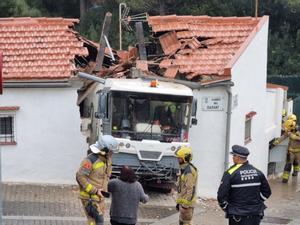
(215, 103)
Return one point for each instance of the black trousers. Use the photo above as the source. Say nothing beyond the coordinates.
(244, 220)
(113, 222)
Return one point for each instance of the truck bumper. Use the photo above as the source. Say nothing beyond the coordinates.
(166, 169)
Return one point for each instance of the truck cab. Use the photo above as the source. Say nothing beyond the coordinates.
(150, 120)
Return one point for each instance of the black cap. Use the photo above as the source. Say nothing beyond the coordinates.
(240, 151)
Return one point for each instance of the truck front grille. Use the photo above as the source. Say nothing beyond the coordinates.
(150, 155)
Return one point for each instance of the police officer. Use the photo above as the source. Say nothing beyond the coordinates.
(243, 190)
(187, 183)
(93, 176)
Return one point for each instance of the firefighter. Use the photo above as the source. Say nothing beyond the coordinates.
(243, 190)
(187, 186)
(293, 155)
(296, 166)
(93, 176)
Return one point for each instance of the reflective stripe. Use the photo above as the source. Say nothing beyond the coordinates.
(92, 223)
(98, 165)
(185, 202)
(245, 185)
(263, 197)
(230, 171)
(286, 175)
(86, 195)
(297, 168)
(88, 188)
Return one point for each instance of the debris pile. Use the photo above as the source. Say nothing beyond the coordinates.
(196, 48)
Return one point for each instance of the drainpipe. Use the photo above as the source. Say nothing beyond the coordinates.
(228, 124)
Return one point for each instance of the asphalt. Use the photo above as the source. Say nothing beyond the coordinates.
(32, 204)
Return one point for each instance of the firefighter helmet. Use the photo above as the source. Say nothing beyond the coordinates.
(289, 125)
(184, 153)
(292, 117)
(105, 144)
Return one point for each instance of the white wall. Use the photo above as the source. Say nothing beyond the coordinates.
(274, 107)
(208, 142)
(249, 76)
(249, 94)
(49, 146)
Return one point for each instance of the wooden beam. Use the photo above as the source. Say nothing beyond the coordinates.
(104, 32)
(141, 40)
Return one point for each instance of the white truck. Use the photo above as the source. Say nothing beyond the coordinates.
(128, 110)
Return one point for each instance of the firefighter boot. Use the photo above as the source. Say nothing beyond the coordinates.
(296, 169)
(286, 172)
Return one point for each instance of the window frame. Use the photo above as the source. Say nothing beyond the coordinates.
(9, 138)
(248, 123)
(248, 127)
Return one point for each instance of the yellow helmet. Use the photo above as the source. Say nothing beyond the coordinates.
(292, 117)
(184, 153)
(289, 125)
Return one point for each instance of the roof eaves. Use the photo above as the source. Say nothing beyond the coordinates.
(228, 67)
(276, 86)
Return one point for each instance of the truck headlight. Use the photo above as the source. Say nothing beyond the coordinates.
(173, 148)
(127, 145)
(121, 144)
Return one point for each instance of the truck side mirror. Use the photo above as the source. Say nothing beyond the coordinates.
(194, 121)
(102, 107)
(194, 107)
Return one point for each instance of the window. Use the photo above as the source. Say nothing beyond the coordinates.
(248, 130)
(7, 131)
(248, 123)
(8, 125)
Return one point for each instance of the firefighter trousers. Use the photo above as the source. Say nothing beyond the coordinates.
(244, 220)
(99, 207)
(293, 158)
(186, 215)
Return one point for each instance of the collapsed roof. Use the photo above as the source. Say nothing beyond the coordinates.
(195, 48)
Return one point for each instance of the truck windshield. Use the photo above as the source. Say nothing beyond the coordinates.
(139, 116)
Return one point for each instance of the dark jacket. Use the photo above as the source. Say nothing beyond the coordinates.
(125, 200)
(243, 190)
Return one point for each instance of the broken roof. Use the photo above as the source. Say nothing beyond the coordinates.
(39, 48)
(203, 47)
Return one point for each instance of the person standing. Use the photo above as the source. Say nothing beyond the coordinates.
(126, 194)
(93, 176)
(187, 186)
(243, 190)
(293, 153)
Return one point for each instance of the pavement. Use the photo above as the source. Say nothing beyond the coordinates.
(31, 204)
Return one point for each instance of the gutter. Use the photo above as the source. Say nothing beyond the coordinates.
(59, 84)
(136, 73)
(228, 124)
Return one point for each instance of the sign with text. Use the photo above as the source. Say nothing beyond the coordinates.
(213, 103)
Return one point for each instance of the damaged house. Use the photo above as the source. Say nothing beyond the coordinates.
(224, 61)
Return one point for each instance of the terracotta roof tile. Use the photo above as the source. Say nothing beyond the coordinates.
(39, 48)
(169, 42)
(209, 44)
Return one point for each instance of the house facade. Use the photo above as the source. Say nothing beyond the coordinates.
(40, 133)
(234, 104)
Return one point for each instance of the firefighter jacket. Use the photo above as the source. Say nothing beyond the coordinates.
(294, 142)
(243, 190)
(92, 175)
(187, 185)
